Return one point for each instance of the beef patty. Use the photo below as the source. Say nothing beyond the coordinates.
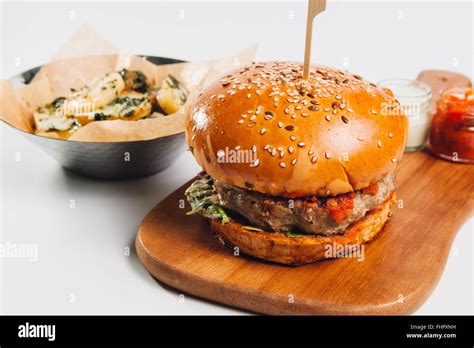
(311, 215)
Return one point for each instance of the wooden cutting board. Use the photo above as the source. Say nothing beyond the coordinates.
(400, 269)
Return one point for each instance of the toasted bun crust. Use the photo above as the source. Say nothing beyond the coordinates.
(324, 136)
(279, 248)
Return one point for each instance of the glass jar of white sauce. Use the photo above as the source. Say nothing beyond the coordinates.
(415, 100)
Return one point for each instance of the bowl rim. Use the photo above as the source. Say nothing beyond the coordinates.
(38, 67)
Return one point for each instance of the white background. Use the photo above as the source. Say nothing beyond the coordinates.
(81, 266)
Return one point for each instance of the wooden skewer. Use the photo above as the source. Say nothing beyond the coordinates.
(314, 7)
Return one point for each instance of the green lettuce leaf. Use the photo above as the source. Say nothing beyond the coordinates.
(204, 200)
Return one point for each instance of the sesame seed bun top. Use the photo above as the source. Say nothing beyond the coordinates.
(265, 128)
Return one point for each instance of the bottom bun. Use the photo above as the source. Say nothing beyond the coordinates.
(277, 247)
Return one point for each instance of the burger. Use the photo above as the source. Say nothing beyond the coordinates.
(293, 166)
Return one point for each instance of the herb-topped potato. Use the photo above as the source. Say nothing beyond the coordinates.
(135, 80)
(124, 95)
(172, 95)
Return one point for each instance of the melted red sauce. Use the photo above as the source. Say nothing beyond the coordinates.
(340, 207)
(372, 189)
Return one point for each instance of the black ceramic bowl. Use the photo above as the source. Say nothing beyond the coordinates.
(110, 160)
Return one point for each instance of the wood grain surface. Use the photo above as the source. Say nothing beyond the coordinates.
(399, 271)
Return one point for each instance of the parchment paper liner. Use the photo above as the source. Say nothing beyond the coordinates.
(87, 56)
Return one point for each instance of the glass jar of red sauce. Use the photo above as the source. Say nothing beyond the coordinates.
(452, 130)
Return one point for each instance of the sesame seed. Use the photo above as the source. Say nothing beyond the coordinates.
(293, 162)
(350, 110)
(266, 147)
(282, 153)
(360, 139)
(379, 144)
(313, 108)
(292, 137)
(254, 148)
(290, 128)
(249, 96)
(240, 122)
(274, 151)
(314, 159)
(255, 163)
(327, 155)
(258, 92)
(373, 112)
(237, 148)
(282, 164)
(328, 117)
(301, 144)
(280, 124)
(390, 135)
(393, 160)
(262, 131)
(253, 117)
(293, 116)
(311, 152)
(344, 119)
(291, 149)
